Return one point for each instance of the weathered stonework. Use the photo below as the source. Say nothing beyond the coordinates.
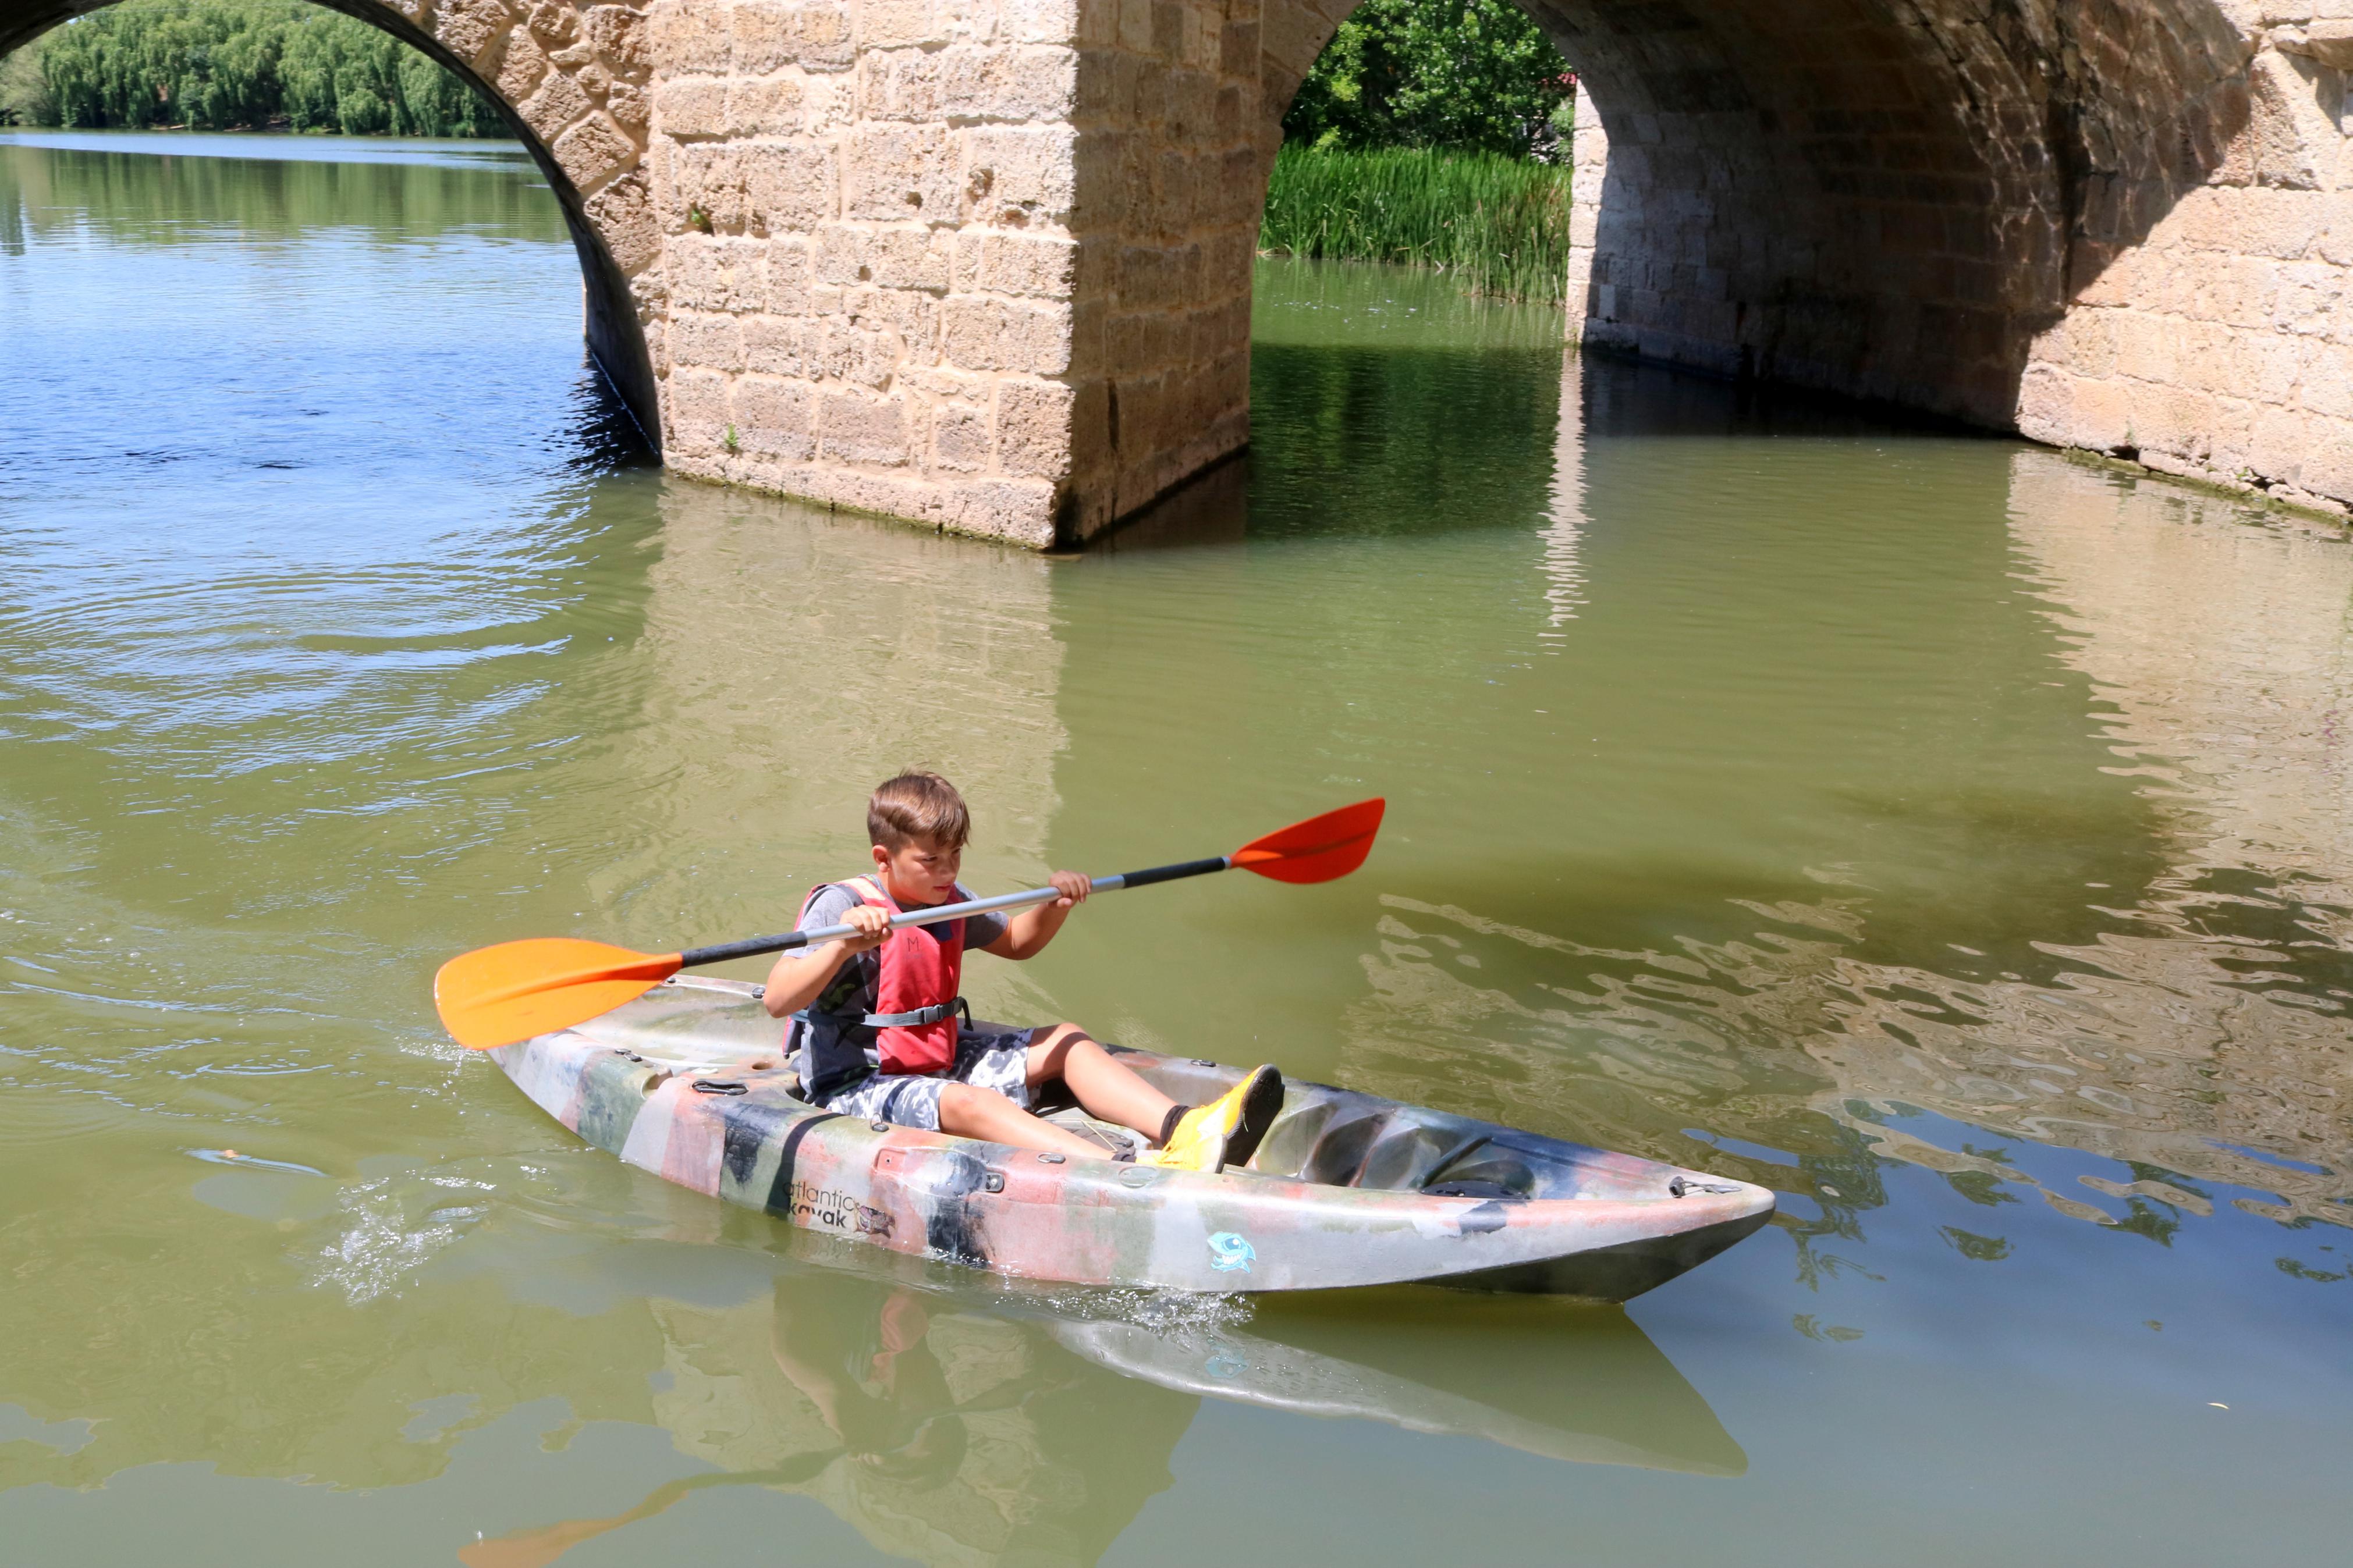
(2125, 230)
(2214, 338)
(946, 259)
(985, 263)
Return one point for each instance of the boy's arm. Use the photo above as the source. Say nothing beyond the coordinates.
(799, 979)
(1027, 934)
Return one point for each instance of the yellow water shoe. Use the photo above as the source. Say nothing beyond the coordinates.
(1227, 1131)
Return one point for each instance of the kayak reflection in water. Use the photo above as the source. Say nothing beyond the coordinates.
(950, 1428)
(939, 1435)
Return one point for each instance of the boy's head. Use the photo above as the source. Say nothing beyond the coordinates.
(918, 825)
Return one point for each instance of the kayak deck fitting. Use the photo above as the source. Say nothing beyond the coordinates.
(1347, 1189)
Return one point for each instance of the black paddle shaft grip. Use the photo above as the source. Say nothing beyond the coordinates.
(1171, 873)
(721, 952)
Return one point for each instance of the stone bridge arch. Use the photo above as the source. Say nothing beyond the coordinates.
(985, 263)
(2122, 225)
(573, 78)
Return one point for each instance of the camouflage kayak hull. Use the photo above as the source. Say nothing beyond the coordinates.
(1347, 1189)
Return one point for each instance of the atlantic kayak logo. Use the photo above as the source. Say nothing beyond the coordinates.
(822, 1207)
(1231, 1254)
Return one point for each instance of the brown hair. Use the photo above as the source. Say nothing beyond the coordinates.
(917, 805)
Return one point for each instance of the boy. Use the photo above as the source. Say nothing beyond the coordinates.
(874, 1014)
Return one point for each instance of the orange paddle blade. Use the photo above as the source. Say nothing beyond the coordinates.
(1320, 849)
(497, 996)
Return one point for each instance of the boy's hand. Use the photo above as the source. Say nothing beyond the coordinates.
(871, 922)
(1074, 887)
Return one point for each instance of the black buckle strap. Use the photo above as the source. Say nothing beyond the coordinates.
(917, 1019)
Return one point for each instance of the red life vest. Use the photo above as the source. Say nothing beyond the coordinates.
(920, 969)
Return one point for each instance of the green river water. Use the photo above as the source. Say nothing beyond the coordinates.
(1952, 836)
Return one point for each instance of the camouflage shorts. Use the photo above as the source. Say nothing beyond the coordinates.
(989, 1055)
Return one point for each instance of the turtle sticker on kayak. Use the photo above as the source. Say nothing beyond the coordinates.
(1230, 1254)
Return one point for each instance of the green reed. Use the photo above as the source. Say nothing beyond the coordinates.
(1499, 224)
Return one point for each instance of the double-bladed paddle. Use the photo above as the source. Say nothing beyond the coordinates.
(497, 996)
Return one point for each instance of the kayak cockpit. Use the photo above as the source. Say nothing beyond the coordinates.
(1338, 1136)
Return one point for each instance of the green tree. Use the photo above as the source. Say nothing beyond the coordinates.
(225, 64)
(1468, 74)
(25, 95)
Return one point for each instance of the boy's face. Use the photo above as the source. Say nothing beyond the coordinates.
(921, 871)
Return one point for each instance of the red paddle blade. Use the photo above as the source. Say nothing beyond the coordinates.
(1320, 849)
(497, 996)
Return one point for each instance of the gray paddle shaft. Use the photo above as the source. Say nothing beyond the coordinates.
(724, 951)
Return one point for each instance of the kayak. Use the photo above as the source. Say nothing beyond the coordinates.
(1347, 1190)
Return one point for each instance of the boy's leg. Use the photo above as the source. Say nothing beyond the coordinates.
(972, 1112)
(1103, 1087)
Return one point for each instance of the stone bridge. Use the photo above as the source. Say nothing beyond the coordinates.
(986, 264)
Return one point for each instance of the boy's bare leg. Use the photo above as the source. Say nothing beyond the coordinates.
(1103, 1087)
(983, 1113)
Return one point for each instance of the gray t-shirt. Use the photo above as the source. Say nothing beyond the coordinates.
(836, 900)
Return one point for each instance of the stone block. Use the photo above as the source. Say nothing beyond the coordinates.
(2328, 467)
(853, 350)
(1021, 83)
(987, 333)
(593, 152)
(1038, 266)
(764, 106)
(900, 172)
(788, 186)
(630, 109)
(2277, 445)
(960, 438)
(774, 418)
(971, 21)
(1017, 176)
(696, 402)
(1035, 426)
(521, 64)
(2334, 242)
(2146, 346)
(2325, 384)
(778, 345)
(785, 277)
(558, 103)
(693, 106)
(1040, 21)
(769, 34)
(716, 273)
(1158, 276)
(898, 24)
(899, 84)
(623, 216)
(2100, 415)
(619, 36)
(1020, 511)
(688, 36)
(470, 29)
(555, 22)
(854, 427)
(913, 313)
(901, 255)
(706, 340)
